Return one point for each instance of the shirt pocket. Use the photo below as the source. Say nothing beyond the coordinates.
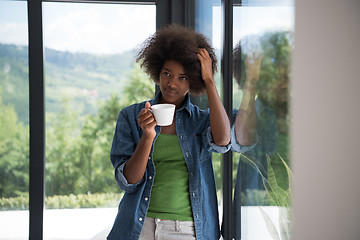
(199, 145)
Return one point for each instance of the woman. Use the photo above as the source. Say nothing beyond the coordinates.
(166, 172)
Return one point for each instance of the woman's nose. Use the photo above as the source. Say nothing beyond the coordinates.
(171, 82)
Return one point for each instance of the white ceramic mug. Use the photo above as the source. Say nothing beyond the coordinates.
(163, 114)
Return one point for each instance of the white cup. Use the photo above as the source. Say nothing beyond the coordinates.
(163, 113)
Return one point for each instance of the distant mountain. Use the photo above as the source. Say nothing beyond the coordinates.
(14, 79)
(81, 77)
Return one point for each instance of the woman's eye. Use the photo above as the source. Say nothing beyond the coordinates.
(183, 78)
(166, 74)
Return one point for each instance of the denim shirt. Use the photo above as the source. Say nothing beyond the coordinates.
(194, 134)
(247, 177)
(265, 132)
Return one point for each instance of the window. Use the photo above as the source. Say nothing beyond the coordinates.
(263, 44)
(266, 30)
(206, 23)
(90, 74)
(14, 121)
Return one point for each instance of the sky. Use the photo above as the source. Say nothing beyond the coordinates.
(81, 27)
(251, 20)
(114, 28)
(13, 22)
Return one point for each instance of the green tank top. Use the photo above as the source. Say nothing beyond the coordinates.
(170, 192)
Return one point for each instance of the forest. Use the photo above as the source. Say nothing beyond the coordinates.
(82, 105)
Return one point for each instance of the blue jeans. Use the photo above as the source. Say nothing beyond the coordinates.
(159, 229)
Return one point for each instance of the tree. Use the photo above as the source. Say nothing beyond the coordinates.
(14, 153)
(98, 131)
(138, 88)
(94, 147)
(61, 157)
(78, 152)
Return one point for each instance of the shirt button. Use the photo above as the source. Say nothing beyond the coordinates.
(149, 158)
(146, 198)
(150, 177)
(140, 219)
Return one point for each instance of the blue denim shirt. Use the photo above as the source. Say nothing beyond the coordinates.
(247, 177)
(194, 134)
(265, 134)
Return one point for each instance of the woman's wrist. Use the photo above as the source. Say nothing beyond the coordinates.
(250, 85)
(148, 137)
(209, 82)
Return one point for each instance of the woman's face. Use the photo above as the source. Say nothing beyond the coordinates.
(174, 83)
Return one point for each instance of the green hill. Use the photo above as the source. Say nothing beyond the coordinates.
(14, 79)
(83, 78)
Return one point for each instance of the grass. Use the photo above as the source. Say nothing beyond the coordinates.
(89, 200)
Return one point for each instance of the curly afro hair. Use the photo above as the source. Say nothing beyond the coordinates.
(238, 65)
(178, 43)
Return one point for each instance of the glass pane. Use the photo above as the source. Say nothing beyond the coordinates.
(208, 22)
(90, 74)
(14, 121)
(263, 44)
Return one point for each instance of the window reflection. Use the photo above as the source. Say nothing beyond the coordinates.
(262, 54)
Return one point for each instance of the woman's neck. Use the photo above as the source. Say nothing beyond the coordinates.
(177, 104)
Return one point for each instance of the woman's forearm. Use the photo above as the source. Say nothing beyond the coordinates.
(135, 167)
(245, 120)
(219, 121)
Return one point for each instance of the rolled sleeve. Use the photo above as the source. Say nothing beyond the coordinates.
(123, 183)
(213, 147)
(236, 147)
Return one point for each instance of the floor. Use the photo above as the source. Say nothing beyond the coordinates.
(95, 223)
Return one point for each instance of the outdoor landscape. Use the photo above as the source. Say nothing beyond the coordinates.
(84, 94)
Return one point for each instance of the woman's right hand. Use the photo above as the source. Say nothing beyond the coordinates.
(147, 121)
(135, 167)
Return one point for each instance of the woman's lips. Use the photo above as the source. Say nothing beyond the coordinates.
(170, 92)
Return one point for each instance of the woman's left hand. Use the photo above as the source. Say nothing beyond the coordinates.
(219, 121)
(206, 65)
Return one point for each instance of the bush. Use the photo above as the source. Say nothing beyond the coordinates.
(61, 202)
(16, 203)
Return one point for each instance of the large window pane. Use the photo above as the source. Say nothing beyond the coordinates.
(263, 43)
(90, 74)
(14, 121)
(207, 22)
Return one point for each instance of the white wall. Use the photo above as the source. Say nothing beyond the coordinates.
(326, 120)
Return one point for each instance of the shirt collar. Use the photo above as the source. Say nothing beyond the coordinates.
(188, 106)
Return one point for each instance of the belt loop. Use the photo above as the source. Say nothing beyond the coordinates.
(177, 226)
